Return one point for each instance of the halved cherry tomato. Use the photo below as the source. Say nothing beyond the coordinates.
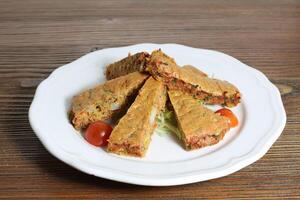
(98, 133)
(229, 114)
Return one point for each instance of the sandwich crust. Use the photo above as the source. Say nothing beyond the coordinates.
(190, 70)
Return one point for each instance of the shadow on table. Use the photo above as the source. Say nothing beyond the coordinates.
(31, 150)
(51, 165)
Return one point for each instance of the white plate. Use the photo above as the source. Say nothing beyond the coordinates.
(261, 114)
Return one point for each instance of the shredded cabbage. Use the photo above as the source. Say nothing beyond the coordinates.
(167, 123)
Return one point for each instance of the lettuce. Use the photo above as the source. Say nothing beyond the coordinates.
(167, 123)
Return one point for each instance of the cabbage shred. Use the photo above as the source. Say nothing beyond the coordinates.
(167, 123)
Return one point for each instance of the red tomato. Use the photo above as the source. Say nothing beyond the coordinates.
(229, 114)
(98, 133)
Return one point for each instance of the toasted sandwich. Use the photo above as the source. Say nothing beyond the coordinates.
(198, 126)
(131, 63)
(132, 134)
(105, 100)
(209, 90)
(138, 62)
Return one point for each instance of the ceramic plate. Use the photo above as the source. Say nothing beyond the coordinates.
(261, 114)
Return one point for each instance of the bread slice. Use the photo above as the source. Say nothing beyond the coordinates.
(199, 126)
(131, 63)
(105, 100)
(132, 135)
(211, 91)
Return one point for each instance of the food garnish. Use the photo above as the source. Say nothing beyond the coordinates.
(229, 114)
(98, 133)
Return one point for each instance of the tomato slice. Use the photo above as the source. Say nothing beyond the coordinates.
(98, 133)
(229, 114)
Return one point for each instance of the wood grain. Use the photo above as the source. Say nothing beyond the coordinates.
(38, 36)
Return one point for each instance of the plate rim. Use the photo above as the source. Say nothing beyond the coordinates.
(234, 165)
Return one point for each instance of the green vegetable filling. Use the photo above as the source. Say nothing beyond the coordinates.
(167, 123)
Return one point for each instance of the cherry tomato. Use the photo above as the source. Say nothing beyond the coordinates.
(98, 133)
(229, 114)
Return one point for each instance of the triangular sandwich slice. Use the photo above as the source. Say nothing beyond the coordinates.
(198, 126)
(132, 135)
(131, 63)
(105, 101)
(138, 62)
(209, 90)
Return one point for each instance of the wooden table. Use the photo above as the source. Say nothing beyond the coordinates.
(36, 37)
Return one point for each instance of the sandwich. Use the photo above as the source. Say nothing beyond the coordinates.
(138, 62)
(198, 126)
(132, 135)
(105, 101)
(208, 90)
(131, 63)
